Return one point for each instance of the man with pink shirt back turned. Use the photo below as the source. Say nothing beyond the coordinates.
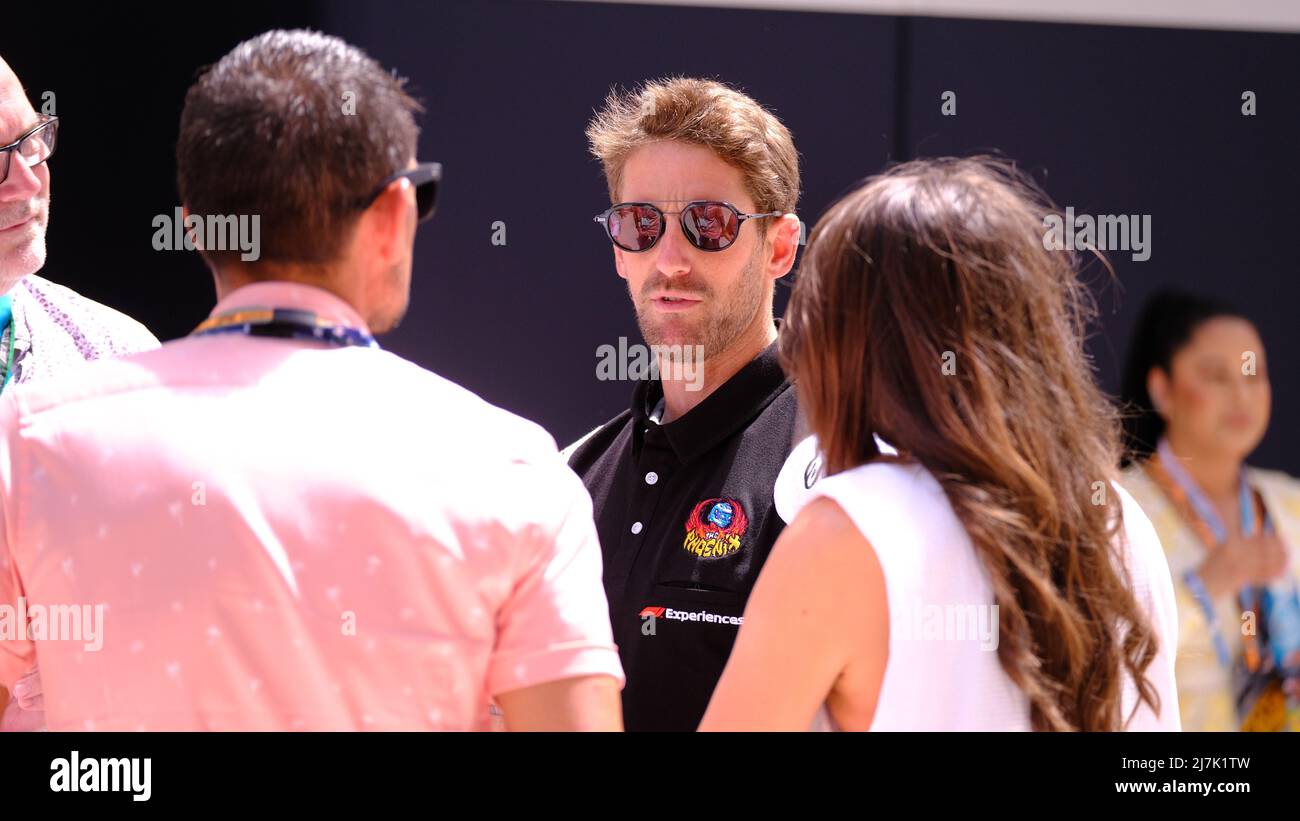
(273, 524)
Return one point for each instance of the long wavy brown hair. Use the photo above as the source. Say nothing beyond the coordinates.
(929, 311)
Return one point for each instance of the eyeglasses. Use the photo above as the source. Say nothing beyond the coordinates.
(425, 177)
(709, 225)
(35, 146)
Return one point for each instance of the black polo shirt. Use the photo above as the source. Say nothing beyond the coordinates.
(685, 517)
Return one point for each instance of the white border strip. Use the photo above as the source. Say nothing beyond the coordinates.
(1246, 15)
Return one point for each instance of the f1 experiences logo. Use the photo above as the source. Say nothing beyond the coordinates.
(650, 617)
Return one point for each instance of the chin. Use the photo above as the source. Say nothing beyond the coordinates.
(665, 331)
(1238, 444)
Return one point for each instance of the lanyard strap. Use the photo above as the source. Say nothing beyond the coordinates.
(7, 326)
(1191, 501)
(285, 323)
(1201, 503)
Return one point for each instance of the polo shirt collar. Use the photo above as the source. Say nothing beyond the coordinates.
(292, 295)
(727, 410)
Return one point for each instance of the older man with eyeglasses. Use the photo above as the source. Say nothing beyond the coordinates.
(44, 328)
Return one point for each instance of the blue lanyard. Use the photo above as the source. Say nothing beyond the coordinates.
(7, 326)
(1204, 509)
(285, 323)
(1201, 503)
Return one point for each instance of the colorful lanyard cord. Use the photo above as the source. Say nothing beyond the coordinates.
(285, 323)
(1199, 512)
(7, 327)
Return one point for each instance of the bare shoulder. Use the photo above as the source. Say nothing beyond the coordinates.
(823, 528)
(823, 546)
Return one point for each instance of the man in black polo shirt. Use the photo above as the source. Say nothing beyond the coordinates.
(703, 183)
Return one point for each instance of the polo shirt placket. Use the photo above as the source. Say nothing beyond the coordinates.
(685, 517)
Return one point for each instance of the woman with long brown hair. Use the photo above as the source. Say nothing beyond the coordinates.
(968, 561)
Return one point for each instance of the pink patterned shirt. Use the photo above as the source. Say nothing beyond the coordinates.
(284, 535)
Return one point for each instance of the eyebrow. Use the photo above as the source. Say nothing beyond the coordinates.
(8, 141)
(680, 202)
(1215, 361)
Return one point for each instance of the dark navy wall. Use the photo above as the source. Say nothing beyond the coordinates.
(1111, 120)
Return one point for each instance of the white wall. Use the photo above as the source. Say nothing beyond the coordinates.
(1257, 15)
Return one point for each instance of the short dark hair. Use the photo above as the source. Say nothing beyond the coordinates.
(296, 127)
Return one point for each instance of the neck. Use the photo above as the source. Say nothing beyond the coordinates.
(6, 287)
(683, 390)
(1216, 473)
(233, 277)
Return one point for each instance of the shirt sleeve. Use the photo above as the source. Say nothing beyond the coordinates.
(554, 624)
(17, 653)
(793, 487)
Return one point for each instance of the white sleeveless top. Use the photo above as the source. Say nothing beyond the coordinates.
(943, 671)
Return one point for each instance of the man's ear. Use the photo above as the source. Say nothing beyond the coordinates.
(386, 221)
(187, 232)
(618, 261)
(783, 235)
(1158, 390)
(195, 238)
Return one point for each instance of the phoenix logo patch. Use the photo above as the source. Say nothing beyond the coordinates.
(715, 527)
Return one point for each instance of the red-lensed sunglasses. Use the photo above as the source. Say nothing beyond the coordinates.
(709, 225)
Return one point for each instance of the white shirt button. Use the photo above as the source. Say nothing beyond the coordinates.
(636, 527)
(651, 478)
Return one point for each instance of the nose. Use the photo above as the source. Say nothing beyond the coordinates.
(23, 181)
(673, 249)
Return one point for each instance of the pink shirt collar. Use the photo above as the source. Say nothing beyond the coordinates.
(281, 294)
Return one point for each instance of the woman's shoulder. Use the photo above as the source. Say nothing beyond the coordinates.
(1281, 491)
(1137, 481)
(898, 506)
(803, 478)
(1141, 536)
(1279, 480)
(888, 484)
(1146, 492)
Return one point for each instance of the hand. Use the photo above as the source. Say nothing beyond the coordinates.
(25, 712)
(1241, 561)
(1291, 686)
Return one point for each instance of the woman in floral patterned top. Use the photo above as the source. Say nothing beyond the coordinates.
(1197, 387)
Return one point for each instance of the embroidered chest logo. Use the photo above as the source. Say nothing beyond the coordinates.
(813, 472)
(715, 528)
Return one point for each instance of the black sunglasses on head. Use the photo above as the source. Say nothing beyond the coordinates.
(425, 177)
(710, 225)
